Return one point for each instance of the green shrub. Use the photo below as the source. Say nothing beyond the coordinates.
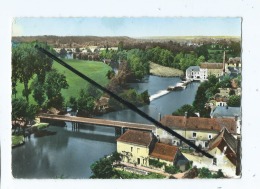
(171, 169)
(156, 163)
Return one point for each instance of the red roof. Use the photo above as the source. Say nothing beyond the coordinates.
(199, 123)
(136, 137)
(164, 152)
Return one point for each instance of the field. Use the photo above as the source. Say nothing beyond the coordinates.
(158, 70)
(94, 70)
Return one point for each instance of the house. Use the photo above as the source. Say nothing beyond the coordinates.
(138, 147)
(196, 129)
(234, 62)
(102, 104)
(169, 154)
(135, 146)
(196, 73)
(225, 150)
(220, 112)
(216, 69)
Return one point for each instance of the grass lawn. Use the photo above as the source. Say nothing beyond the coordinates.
(93, 69)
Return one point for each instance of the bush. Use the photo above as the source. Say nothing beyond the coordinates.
(156, 163)
(205, 173)
(171, 169)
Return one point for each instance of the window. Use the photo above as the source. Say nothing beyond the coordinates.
(214, 161)
(131, 149)
(210, 136)
(194, 135)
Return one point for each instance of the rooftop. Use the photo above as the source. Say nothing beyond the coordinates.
(193, 68)
(143, 138)
(211, 65)
(199, 123)
(164, 151)
(226, 112)
(224, 141)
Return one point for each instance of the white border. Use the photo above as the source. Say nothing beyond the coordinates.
(249, 10)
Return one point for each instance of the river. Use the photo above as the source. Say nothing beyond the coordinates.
(68, 154)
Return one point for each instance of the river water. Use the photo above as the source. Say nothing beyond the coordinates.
(68, 154)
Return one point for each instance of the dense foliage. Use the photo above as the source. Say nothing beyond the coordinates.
(187, 108)
(26, 62)
(234, 101)
(206, 173)
(103, 168)
(156, 163)
(171, 169)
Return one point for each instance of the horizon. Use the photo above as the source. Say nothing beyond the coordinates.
(128, 36)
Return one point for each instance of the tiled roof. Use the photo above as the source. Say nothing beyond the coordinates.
(199, 123)
(164, 152)
(222, 140)
(136, 137)
(212, 65)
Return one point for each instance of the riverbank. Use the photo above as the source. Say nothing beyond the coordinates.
(162, 71)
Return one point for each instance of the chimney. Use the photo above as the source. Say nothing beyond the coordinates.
(224, 59)
(238, 155)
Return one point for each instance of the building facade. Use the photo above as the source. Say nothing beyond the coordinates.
(196, 129)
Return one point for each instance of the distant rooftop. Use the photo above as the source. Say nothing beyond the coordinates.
(226, 112)
(193, 68)
(211, 65)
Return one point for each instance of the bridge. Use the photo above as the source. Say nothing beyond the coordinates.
(119, 126)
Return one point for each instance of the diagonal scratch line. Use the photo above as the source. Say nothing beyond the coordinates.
(124, 102)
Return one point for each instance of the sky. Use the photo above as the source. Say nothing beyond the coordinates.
(127, 26)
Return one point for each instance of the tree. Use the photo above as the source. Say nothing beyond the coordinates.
(53, 85)
(27, 61)
(234, 101)
(38, 92)
(224, 83)
(85, 103)
(102, 169)
(63, 53)
(110, 74)
(204, 173)
(121, 46)
(93, 91)
(185, 108)
(202, 51)
(73, 103)
(23, 111)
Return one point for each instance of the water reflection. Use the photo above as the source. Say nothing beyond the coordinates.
(67, 154)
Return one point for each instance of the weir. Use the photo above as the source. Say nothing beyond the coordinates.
(158, 94)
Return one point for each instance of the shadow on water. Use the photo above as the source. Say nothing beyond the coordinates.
(42, 133)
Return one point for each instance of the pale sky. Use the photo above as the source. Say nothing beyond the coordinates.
(125, 26)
